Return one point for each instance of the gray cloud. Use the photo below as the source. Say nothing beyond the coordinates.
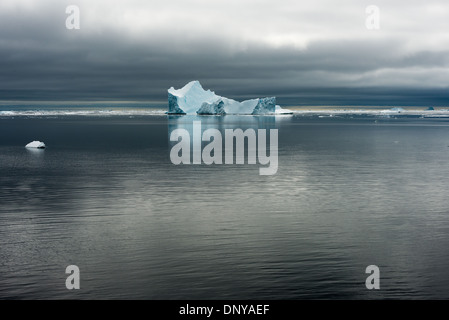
(311, 52)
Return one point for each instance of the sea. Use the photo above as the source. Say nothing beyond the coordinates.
(355, 187)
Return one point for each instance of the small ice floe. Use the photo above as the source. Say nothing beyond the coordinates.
(281, 111)
(36, 144)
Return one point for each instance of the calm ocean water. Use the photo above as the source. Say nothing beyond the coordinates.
(351, 191)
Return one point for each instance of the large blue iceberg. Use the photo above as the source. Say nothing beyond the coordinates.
(193, 99)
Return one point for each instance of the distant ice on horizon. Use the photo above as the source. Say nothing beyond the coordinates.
(377, 111)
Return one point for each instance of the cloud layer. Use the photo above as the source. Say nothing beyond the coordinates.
(135, 50)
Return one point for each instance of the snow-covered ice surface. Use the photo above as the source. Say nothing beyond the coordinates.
(193, 99)
(36, 144)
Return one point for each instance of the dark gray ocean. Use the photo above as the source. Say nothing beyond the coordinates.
(351, 190)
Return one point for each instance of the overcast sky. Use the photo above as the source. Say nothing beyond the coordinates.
(317, 52)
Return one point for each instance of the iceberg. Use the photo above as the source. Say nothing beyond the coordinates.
(36, 144)
(193, 99)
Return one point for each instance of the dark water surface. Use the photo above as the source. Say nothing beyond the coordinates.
(349, 192)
